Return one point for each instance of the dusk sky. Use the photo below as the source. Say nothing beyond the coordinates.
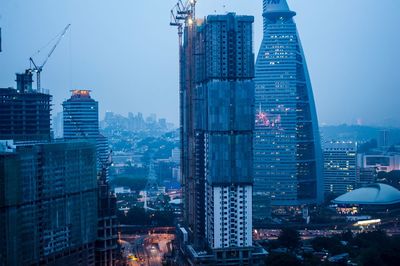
(127, 54)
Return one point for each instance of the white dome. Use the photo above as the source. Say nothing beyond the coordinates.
(376, 194)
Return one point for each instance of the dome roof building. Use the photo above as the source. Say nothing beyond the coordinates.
(375, 194)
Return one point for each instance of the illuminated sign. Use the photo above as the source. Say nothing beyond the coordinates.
(268, 120)
(81, 92)
(273, 118)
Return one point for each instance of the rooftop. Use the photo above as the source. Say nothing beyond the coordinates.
(375, 194)
(273, 8)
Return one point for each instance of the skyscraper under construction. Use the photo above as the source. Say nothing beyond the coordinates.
(217, 93)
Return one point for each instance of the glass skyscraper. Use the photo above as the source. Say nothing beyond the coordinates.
(287, 148)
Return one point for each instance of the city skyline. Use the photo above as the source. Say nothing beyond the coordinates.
(335, 84)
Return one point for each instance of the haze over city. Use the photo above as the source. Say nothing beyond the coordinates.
(199, 132)
(126, 52)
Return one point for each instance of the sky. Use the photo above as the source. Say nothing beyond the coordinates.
(127, 54)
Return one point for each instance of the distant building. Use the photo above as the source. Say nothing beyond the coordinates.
(151, 119)
(24, 112)
(376, 199)
(287, 149)
(384, 162)
(122, 190)
(388, 138)
(176, 155)
(48, 204)
(81, 116)
(163, 168)
(366, 176)
(340, 167)
(81, 121)
(58, 121)
(176, 174)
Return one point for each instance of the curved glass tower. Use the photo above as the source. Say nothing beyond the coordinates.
(287, 148)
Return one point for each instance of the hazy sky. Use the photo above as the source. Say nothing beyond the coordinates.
(127, 54)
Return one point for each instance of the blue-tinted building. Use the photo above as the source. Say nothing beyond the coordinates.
(217, 111)
(24, 112)
(340, 167)
(287, 149)
(81, 116)
(48, 203)
(224, 96)
(81, 121)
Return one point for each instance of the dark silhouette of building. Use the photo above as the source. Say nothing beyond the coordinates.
(24, 112)
(48, 203)
(81, 121)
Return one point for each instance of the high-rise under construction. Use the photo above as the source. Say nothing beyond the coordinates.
(217, 117)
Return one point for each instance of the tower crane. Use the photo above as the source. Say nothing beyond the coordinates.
(182, 13)
(38, 69)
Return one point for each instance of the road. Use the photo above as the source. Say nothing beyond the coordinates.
(146, 250)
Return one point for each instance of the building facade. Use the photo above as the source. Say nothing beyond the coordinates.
(81, 116)
(381, 161)
(24, 112)
(217, 110)
(48, 204)
(287, 149)
(340, 167)
(81, 121)
(225, 94)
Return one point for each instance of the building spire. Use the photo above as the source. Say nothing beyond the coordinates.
(274, 7)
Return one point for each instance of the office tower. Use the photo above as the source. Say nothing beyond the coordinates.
(48, 203)
(366, 176)
(387, 138)
(217, 112)
(287, 148)
(58, 121)
(340, 167)
(81, 116)
(24, 112)
(81, 121)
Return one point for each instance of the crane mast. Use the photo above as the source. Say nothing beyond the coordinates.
(38, 69)
(183, 17)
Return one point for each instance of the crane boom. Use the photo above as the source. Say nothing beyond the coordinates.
(38, 69)
(55, 45)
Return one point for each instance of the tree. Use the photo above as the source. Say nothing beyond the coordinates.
(332, 244)
(289, 238)
(282, 259)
